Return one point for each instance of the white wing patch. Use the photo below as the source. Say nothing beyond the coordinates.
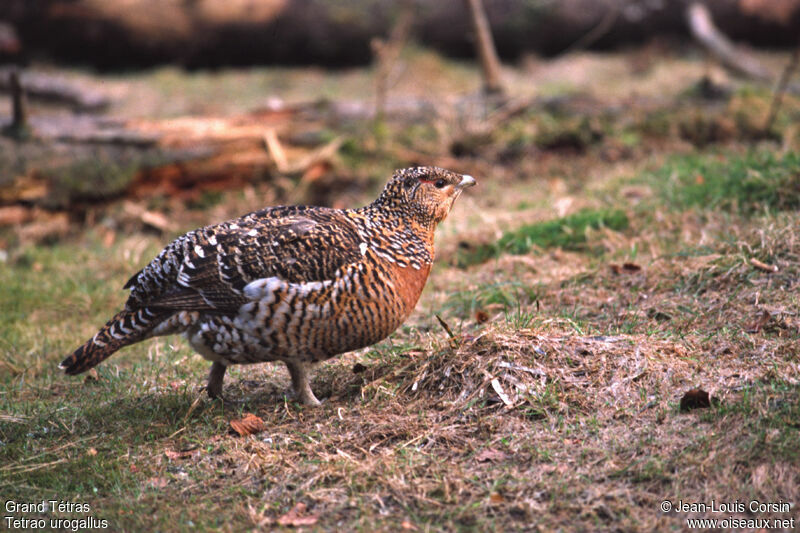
(363, 247)
(258, 289)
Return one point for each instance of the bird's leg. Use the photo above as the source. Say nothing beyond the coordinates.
(299, 373)
(215, 377)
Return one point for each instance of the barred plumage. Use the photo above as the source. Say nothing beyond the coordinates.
(297, 284)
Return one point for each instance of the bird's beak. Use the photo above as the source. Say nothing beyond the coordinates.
(466, 181)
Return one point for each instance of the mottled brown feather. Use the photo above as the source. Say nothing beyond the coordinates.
(296, 283)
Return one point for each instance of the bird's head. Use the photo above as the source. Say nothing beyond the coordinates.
(425, 193)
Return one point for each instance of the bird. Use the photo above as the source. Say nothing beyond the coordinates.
(297, 284)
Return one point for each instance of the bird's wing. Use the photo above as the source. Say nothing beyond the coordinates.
(207, 269)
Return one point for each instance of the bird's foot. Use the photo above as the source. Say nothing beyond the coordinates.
(300, 384)
(307, 400)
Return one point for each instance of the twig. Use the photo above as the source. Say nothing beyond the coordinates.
(276, 151)
(763, 266)
(446, 327)
(501, 393)
(19, 109)
(282, 163)
(19, 128)
(780, 89)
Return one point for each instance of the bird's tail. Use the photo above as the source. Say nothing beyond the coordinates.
(126, 327)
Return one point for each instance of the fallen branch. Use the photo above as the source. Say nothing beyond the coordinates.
(300, 166)
(707, 34)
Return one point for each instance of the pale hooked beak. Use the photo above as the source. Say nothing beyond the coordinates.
(466, 181)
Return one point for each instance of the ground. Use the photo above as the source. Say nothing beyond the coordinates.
(633, 237)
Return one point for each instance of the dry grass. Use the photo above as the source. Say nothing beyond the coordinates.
(554, 406)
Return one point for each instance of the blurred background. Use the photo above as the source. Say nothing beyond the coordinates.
(165, 105)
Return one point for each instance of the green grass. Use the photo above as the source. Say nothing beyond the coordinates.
(757, 182)
(509, 295)
(568, 233)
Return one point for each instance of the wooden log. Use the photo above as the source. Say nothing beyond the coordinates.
(82, 159)
(211, 33)
(51, 88)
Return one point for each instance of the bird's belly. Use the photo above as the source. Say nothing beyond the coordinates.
(294, 322)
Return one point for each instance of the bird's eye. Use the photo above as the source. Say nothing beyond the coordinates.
(440, 183)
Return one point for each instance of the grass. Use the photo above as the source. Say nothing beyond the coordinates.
(757, 182)
(569, 233)
(556, 406)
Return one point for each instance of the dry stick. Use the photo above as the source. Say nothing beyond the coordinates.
(490, 64)
(18, 128)
(18, 102)
(763, 266)
(780, 89)
(445, 326)
(703, 29)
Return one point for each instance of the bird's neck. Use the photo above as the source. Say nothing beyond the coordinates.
(397, 233)
(402, 216)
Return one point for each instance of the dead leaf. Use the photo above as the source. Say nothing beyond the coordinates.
(109, 237)
(133, 468)
(157, 482)
(490, 455)
(91, 451)
(758, 324)
(501, 393)
(695, 399)
(295, 518)
(481, 317)
(14, 214)
(172, 454)
(408, 526)
(248, 425)
(91, 375)
(625, 268)
(496, 498)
